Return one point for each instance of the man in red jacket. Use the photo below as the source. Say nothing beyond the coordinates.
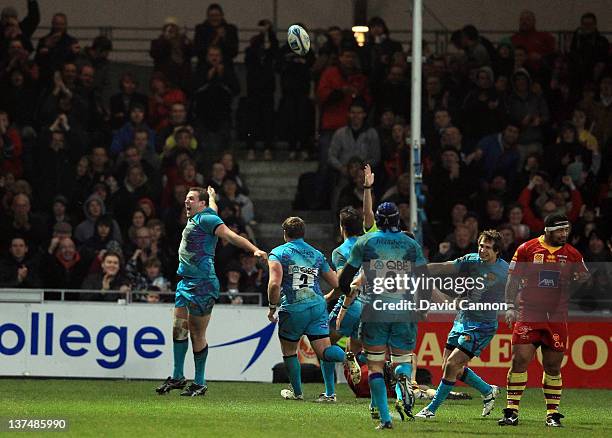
(338, 87)
(535, 222)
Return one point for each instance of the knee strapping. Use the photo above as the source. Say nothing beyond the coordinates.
(180, 330)
(403, 358)
(375, 356)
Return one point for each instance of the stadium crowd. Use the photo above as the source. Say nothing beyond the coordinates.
(93, 178)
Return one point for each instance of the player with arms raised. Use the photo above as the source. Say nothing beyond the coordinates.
(383, 327)
(545, 270)
(473, 329)
(199, 287)
(350, 229)
(295, 268)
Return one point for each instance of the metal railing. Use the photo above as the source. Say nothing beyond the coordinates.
(9, 295)
(131, 44)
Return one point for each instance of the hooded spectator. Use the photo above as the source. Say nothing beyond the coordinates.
(94, 208)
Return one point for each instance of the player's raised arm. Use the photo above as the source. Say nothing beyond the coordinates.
(368, 184)
(224, 232)
(212, 199)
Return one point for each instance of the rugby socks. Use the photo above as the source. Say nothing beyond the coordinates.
(444, 388)
(179, 348)
(199, 358)
(469, 377)
(333, 353)
(362, 358)
(515, 388)
(295, 373)
(378, 390)
(552, 386)
(327, 369)
(406, 370)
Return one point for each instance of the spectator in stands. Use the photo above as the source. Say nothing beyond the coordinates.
(215, 31)
(460, 247)
(400, 192)
(394, 93)
(338, 88)
(132, 156)
(600, 111)
(138, 221)
(56, 47)
(538, 44)
(583, 126)
(166, 137)
(356, 139)
(151, 279)
(122, 102)
(20, 221)
(230, 193)
(93, 101)
(396, 159)
(161, 248)
(141, 142)
(453, 138)
(20, 268)
(212, 102)
(328, 51)
(163, 95)
(62, 266)
(503, 66)
(433, 130)
(435, 96)
(508, 243)
(494, 213)
(530, 111)
(59, 213)
(56, 166)
(448, 183)
(477, 54)
(171, 53)
(483, 109)
(101, 165)
(11, 148)
(15, 57)
(102, 238)
(96, 56)
(125, 136)
(378, 50)
(136, 185)
(588, 52)
(458, 213)
(521, 231)
(93, 209)
(232, 170)
(550, 203)
(12, 28)
(260, 59)
(18, 96)
(252, 275)
(111, 278)
(296, 110)
(500, 154)
(596, 250)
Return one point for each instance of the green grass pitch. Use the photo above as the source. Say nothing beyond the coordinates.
(131, 408)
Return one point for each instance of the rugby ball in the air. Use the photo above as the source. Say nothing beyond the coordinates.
(298, 40)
